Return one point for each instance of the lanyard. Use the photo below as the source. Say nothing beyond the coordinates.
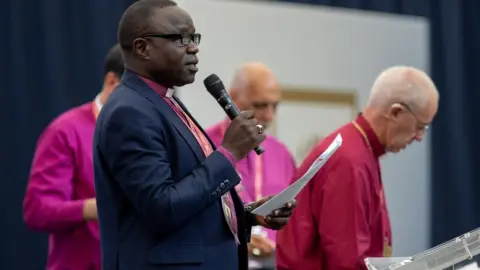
(387, 248)
(364, 135)
(258, 177)
(97, 106)
(204, 143)
(227, 201)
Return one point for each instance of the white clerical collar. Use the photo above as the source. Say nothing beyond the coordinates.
(98, 103)
(169, 93)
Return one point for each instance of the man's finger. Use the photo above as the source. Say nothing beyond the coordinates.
(282, 212)
(278, 222)
(292, 204)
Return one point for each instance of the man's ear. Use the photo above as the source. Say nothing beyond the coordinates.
(141, 48)
(394, 111)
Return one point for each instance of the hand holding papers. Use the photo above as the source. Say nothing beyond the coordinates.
(292, 191)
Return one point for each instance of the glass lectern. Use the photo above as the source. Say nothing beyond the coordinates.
(454, 253)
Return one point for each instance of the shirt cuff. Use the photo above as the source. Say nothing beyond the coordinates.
(222, 150)
(74, 210)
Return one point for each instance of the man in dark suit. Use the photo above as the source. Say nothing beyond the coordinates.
(165, 196)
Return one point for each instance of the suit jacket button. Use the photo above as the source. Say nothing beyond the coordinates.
(219, 190)
(226, 181)
(222, 185)
(214, 193)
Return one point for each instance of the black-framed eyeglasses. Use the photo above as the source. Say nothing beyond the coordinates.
(421, 125)
(184, 39)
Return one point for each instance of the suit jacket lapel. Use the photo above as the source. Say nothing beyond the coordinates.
(195, 121)
(134, 82)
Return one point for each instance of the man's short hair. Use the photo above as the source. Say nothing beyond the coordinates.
(401, 84)
(136, 20)
(114, 61)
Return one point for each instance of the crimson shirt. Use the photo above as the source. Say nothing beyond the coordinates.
(341, 217)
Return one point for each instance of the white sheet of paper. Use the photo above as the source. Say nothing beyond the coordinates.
(292, 191)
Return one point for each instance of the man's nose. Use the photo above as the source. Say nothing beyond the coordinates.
(192, 48)
(419, 136)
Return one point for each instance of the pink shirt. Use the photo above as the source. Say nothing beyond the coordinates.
(61, 178)
(277, 168)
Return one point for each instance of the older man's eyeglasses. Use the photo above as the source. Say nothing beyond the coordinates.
(420, 125)
(184, 39)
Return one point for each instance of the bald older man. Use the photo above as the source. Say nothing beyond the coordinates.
(342, 216)
(255, 87)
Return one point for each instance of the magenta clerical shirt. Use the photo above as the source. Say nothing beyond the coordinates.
(61, 178)
(267, 174)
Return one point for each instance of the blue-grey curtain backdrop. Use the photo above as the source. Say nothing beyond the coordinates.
(455, 65)
(51, 55)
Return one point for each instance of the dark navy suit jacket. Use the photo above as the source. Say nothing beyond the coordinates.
(158, 196)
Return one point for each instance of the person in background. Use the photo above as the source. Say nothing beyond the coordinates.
(255, 87)
(60, 196)
(342, 214)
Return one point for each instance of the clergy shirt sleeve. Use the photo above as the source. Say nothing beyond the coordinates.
(48, 204)
(342, 216)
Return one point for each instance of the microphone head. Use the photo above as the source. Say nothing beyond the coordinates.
(214, 85)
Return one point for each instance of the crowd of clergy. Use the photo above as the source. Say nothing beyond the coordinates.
(341, 216)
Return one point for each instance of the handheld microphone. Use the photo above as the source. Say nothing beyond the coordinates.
(216, 88)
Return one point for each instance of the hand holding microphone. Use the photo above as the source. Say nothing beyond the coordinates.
(244, 132)
(243, 135)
